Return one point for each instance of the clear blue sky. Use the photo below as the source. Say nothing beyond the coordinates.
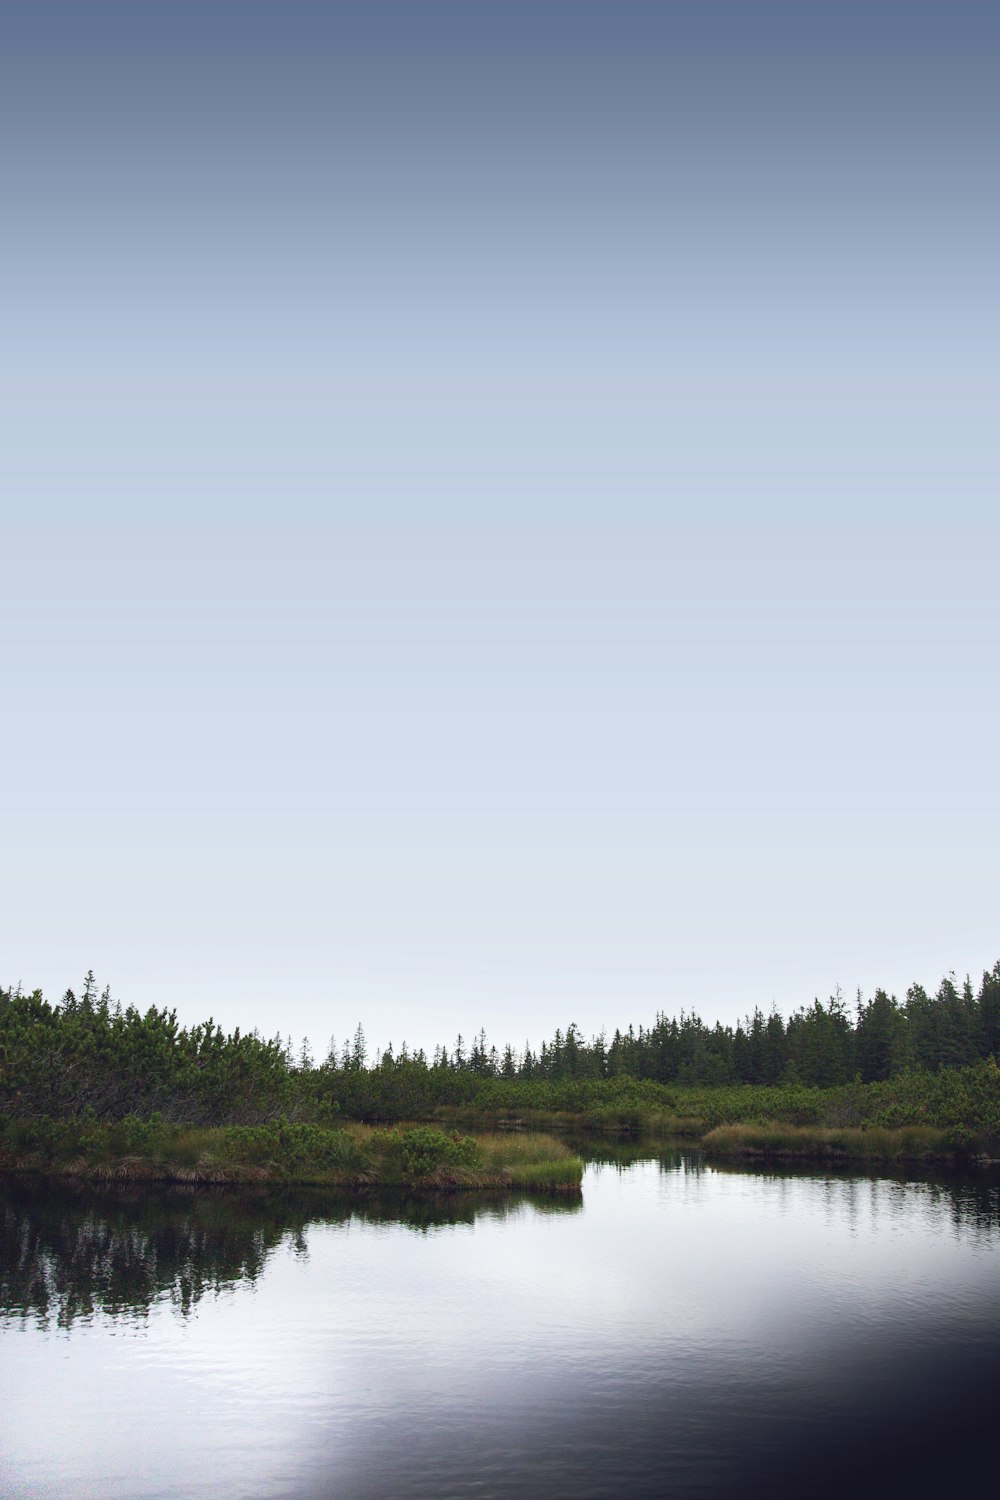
(500, 508)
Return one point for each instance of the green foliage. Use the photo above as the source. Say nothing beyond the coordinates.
(87, 1060)
(428, 1152)
(89, 1055)
(301, 1151)
(283, 1151)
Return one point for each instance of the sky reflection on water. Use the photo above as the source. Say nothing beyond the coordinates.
(683, 1328)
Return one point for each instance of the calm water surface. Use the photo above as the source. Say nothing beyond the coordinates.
(677, 1330)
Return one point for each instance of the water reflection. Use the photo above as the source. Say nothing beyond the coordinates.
(673, 1154)
(971, 1199)
(682, 1329)
(68, 1251)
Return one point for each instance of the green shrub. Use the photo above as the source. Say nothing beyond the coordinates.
(427, 1152)
(298, 1150)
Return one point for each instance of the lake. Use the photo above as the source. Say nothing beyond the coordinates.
(675, 1329)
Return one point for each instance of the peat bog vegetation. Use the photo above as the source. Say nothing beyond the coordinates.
(89, 1089)
(351, 1156)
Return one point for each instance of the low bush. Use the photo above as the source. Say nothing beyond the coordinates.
(430, 1153)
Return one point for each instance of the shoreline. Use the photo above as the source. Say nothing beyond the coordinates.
(346, 1158)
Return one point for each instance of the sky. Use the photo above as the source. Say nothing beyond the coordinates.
(499, 508)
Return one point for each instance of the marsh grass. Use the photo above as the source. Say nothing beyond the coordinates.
(876, 1143)
(521, 1148)
(529, 1159)
(421, 1156)
(556, 1176)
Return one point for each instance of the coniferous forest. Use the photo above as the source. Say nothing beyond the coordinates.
(928, 1058)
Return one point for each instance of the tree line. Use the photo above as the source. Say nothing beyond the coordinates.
(87, 1054)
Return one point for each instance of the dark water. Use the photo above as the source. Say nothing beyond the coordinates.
(676, 1331)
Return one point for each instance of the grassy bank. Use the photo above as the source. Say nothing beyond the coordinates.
(962, 1105)
(773, 1141)
(352, 1156)
(493, 1138)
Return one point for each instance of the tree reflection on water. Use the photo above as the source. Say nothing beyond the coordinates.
(69, 1252)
